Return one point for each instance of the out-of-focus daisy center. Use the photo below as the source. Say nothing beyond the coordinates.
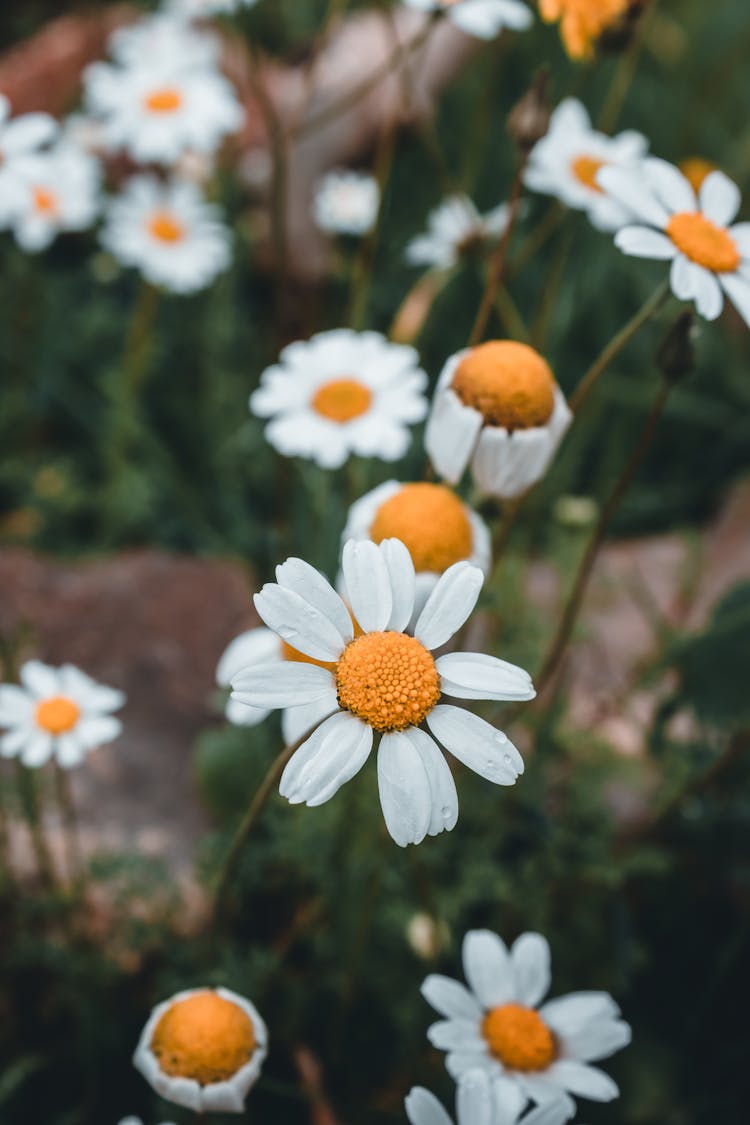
(45, 202)
(508, 383)
(166, 100)
(585, 168)
(57, 715)
(695, 170)
(203, 1037)
(387, 679)
(165, 228)
(341, 400)
(430, 520)
(519, 1037)
(703, 242)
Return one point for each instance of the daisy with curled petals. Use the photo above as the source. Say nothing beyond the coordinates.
(498, 407)
(58, 191)
(168, 232)
(384, 684)
(710, 256)
(20, 137)
(455, 229)
(483, 19)
(480, 1102)
(583, 22)
(58, 713)
(203, 1049)
(565, 163)
(346, 202)
(496, 1024)
(339, 393)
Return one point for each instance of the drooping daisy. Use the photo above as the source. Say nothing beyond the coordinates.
(385, 682)
(161, 40)
(168, 232)
(203, 1049)
(495, 1024)
(346, 202)
(566, 161)
(482, 18)
(455, 229)
(481, 1102)
(708, 254)
(435, 525)
(56, 713)
(497, 406)
(583, 22)
(20, 137)
(341, 393)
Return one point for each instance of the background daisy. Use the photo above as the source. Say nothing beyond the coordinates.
(20, 137)
(57, 191)
(454, 229)
(482, 18)
(346, 202)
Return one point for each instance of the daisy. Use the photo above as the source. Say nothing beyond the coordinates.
(480, 1102)
(346, 202)
(20, 137)
(455, 229)
(203, 1049)
(339, 393)
(709, 256)
(566, 161)
(385, 683)
(163, 39)
(496, 1024)
(583, 22)
(169, 233)
(204, 9)
(437, 528)
(58, 191)
(482, 18)
(58, 713)
(497, 406)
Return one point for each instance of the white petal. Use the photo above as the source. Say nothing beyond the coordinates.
(451, 434)
(740, 233)
(476, 743)
(404, 789)
(643, 242)
(509, 1100)
(403, 582)
(456, 1035)
(69, 751)
(367, 585)
(298, 623)
(94, 731)
(474, 1102)
(738, 291)
(40, 679)
(423, 1108)
(684, 278)
(670, 185)
(283, 684)
(585, 1081)
(309, 583)
(568, 1013)
(449, 605)
(332, 755)
(450, 998)
(15, 705)
(531, 965)
(443, 795)
(709, 299)
(458, 1063)
(38, 750)
(597, 1039)
(552, 1113)
(719, 198)
(488, 969)
(256, 646)
(472, 675)
(629, 188)
(298, 721)
(242, 716)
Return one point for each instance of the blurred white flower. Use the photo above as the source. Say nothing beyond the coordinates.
(138, 1121)
(163, 40)
(453, 229)
(346, 202)
(168, 232)
(566, 161)
(482, 18)
(56, 713)
(20, 137)
(58, 191)
(341, 393)
(204, 9)
(480, 1102)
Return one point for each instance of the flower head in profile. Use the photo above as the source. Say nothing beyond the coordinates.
(57, 191)
(497, 407)
(583, 22)
(497, 1024)
(58, 713)
(480, 1102)
(341, 393)
(384, 685)
(20, 137)
(346, 202)
(203, 1049)
(566, 161)
(709, 252)
(455, 229)
(483, 19)
(168, 232)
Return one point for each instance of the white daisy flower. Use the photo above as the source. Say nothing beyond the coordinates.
(20, 137)
(496, 1023)
(346, 202)
(168, 232)
(155, 111)
(385, 682)
(203, 1049)
(56, 713)
(479, 1101)
(565, 163)
(709, 255)
(497, 406)
(163, 40)
(341, 393)
(204, 9)
(58, 191)
(482, 18)
(437, 528)
(455, 228)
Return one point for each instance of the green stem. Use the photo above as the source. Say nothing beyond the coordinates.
(29, 797)
(69, 818)
(365, 261)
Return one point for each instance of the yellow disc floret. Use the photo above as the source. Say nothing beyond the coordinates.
(430, 520)
(57, 715)
(341, 400)
(165, 228)
(508, 383)
(387, 679)
(519, 1037)
(204, 1037)
(704, 242)
(585, 168)
(166, 100)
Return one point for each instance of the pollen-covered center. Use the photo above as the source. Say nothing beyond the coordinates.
(165, 228)
(585, 168)
(704, 242)
(57, 715)
(430, 520)
(166, 100)
(341, 400)
(508, 383)
(45, 202)
(203, 1037)
(519, 1037)
(695, 170)
(387, 679)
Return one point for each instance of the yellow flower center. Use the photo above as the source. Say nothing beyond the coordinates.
(695, 170)
(519, 1037)
(203, 1037)
(45, 202)
(430, 520)
(508, 383)
(387, 679)
(582, 22)
(704, 242)
(166, 100)
(585, 168)
(341, 400)
(165, 228)
(57, 715)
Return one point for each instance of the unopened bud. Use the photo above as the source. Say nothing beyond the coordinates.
(676, 356)
(528, 121)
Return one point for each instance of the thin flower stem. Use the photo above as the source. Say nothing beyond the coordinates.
(69, 817)
(29, 796)
(559, 643)
(277, 141)
(140, 336)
